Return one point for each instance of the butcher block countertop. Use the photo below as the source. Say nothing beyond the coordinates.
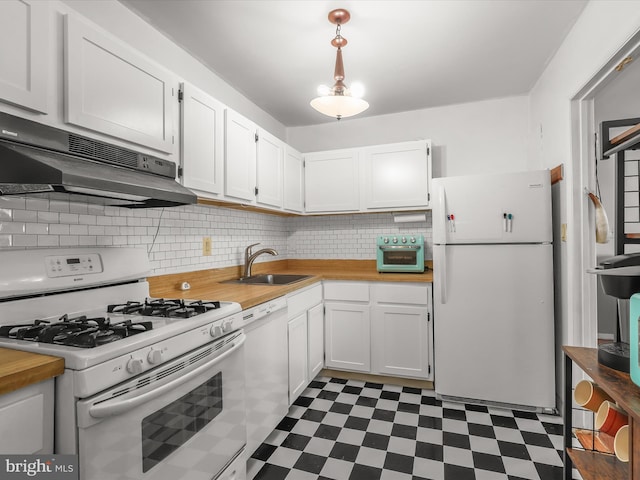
(20, 369)
(206, 284)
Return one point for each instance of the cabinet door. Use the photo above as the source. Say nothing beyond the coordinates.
(347, 336)
(293, 180)
(240, 157)
(24, 39)
(315, 327)
(298, 379)
(269, 170)
(400, 341)
(112, 89)
(202, 140)
(397, 175)
(28, 411)
(331, 181)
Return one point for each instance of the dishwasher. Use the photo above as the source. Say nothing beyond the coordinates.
(267, 369)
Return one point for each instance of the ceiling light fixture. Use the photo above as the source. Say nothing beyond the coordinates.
(338, 101)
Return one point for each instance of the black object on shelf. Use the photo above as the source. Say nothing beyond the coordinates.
(615, 355)
(619, 278)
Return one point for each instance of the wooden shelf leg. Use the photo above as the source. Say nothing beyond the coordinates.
(568, 382)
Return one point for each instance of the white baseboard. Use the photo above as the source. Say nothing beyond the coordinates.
(606, 336)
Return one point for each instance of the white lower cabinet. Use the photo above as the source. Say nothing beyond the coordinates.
(298, 376)
(305, 338)
(347, 326)
(315, 336)
(26, 416)
(380, 328)
(401, 330)
(348, 331)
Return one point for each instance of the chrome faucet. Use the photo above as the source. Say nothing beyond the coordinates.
(250, 257)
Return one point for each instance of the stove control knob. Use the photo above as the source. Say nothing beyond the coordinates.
(395, 239)
(216, 331)
(404, 239)
(413, 239)
(386, 240)
(227, 326)
(134, 365)
(154, 356)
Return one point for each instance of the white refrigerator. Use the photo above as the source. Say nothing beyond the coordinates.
(493, 290)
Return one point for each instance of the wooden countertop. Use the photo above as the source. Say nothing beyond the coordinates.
(206, 284)
(20, 369)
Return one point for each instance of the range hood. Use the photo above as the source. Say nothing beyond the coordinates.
(36, 159)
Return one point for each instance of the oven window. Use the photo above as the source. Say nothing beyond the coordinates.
(171, 426)
(400, 257)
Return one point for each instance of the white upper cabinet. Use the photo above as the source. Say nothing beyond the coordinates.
(24, 39)
(293, 180)
(112, 89)
(397, 175)
(332, 181)
(369, 179)
(202, 134)
(269, 170)
(240, 157)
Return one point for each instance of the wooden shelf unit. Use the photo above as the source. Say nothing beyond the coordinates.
(594, 465)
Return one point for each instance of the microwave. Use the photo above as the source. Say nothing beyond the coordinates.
(400, 253)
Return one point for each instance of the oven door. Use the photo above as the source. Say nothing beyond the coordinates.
(185, 419)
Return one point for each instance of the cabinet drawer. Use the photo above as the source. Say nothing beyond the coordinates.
(349, 291)
(404, 293)
(299, 302)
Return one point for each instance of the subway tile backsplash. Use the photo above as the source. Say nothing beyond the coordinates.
(173, 236)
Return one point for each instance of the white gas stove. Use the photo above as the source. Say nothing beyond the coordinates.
(127, 356)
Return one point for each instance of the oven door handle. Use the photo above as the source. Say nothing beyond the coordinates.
(110, 408)
(400, 247)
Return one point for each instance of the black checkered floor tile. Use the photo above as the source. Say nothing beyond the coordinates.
(354, 430)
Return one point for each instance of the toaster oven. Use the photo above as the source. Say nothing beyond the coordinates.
(400, 253)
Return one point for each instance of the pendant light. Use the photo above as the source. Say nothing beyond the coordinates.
(338, 101)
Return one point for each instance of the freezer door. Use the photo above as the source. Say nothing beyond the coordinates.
(493, 323)
(496, 208)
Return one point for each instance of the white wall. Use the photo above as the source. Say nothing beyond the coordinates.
(171, 236)
(600, 31)
(479, 137)
(349, 236)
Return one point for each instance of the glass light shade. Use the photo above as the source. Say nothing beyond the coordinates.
(357, 90)
(339, 106)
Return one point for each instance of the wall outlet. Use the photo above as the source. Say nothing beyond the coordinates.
(206, 246)
(563, 232)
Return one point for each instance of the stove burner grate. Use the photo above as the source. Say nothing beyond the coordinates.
(160, 307)
(79, 331)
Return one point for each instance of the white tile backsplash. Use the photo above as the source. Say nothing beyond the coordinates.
(173, 236)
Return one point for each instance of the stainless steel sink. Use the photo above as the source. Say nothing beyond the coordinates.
(269, 279)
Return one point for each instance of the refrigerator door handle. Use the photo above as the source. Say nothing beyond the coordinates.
(442, 273)
(442, 214)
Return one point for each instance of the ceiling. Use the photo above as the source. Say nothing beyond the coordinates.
(408, 54)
